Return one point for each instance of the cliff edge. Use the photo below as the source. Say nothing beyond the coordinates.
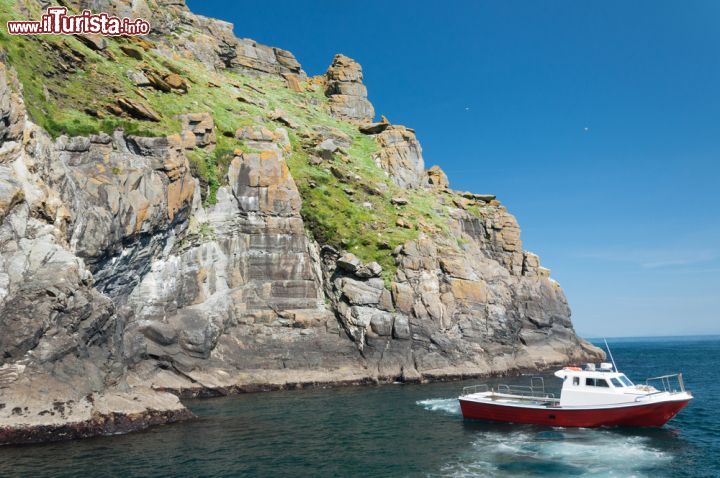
(190, 214)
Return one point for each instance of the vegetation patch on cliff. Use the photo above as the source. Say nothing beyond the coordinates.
(75, 88)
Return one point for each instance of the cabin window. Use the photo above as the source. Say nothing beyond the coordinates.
(617, 383)
(626, 381)
(590, 382)
(601, 382)
(576, 381)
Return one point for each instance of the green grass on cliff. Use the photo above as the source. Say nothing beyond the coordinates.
(71, 89)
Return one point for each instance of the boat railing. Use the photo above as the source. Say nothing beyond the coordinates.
(672, 383)
(480, 388)
(536, 389)
(524, 391)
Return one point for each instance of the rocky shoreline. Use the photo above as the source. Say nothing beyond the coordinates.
(104, 425)
(115, 423)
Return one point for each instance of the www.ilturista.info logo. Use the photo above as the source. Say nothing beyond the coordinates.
(56, 21)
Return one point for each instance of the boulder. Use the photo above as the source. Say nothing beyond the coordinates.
(138, 78)
(373, 128)
(176, 82)
(485, 197)
(362, 292)
(365, 271)
(157, 81)
(282, 117)
(132, 52)
(137, 110)
(327, 149)
(348, 262)
(255, 133)
(94, 42)
(436, 178)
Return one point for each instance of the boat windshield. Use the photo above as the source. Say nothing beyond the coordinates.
(616, 383)
(626, 381)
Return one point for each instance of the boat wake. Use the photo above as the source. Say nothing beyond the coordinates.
(583, 453)
(447, 405)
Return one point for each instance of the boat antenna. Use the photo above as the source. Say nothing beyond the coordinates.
(610, 353)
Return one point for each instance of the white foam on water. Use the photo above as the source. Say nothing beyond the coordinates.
(447, 405)
(584, 453)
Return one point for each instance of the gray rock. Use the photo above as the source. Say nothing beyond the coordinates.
(365, 292)
(138, 78)
(163, 334)
(400, 155)
(401, 328)
(372, 269)
(348, 262)
(382, 324)
(373, 128)
(327, 149)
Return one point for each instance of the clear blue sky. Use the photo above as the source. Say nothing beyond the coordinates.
(626, 213)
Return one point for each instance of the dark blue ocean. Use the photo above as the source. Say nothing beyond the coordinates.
(404, 430)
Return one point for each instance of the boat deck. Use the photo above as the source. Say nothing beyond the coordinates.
(511, 399)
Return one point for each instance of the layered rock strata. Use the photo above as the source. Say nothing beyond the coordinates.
(344, 88)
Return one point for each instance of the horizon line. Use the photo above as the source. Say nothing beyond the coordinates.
(648, 336)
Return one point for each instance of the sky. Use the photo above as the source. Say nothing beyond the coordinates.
(597, 123)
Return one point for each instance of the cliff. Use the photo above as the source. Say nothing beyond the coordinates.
(189, 214)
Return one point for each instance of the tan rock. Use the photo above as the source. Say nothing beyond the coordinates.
(262, 182)
(176, 82)
(202, 129)
(469, 291)
(137, 109)
(437, 179)
(94, 42)
(344, 88)
(293, 83)
(462, 203)
(403, 297)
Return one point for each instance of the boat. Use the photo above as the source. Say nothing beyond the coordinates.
(591, 396)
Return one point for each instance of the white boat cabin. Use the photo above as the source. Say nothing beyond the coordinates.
(596, 386)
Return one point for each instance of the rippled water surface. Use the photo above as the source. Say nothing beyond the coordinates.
(404, 430)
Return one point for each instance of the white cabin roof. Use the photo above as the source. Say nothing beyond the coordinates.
(568, 372)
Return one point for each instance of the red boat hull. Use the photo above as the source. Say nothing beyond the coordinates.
(646, 415)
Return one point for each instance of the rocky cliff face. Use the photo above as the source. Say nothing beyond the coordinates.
(223, 223)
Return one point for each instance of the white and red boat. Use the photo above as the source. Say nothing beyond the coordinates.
(590, 397)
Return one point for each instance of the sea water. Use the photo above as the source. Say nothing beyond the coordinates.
(405, 430)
